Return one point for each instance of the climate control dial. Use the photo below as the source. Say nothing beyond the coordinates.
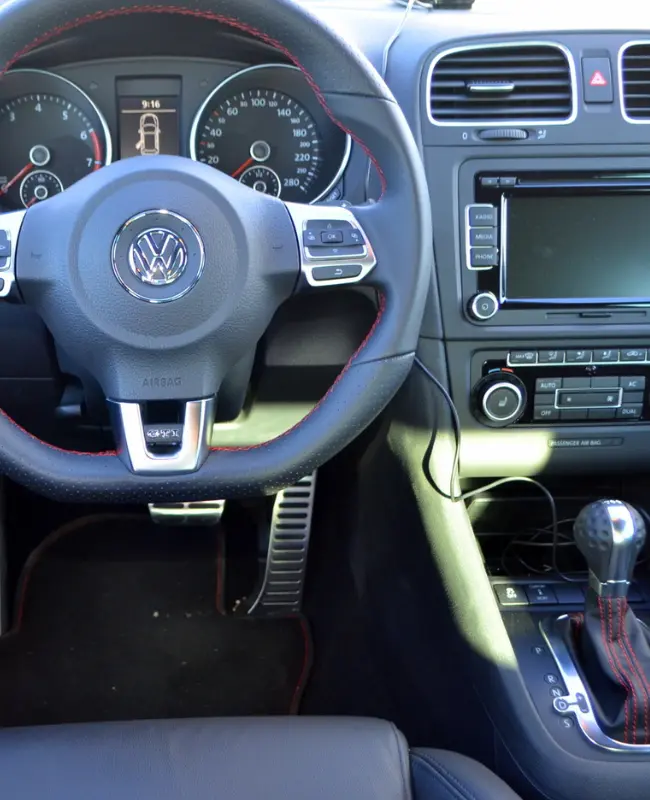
(500, 399)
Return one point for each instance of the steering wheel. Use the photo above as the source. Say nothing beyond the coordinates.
(157, 275)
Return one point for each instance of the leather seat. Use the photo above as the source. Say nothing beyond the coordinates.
(235, 759)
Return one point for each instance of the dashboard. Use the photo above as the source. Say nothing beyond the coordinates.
(261, 124)
(533, 126)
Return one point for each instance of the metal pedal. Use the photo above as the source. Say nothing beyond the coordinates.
(286, 562)
(205, 513)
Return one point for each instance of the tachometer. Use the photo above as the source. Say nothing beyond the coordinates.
(50, 139)
(265, 128)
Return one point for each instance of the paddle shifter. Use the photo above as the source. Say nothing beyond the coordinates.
(609, 645)
(610, 535)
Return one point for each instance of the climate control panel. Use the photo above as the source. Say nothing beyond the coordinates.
(552, 387)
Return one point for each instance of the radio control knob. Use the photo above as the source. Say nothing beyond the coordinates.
(483, 306)
(500, 399)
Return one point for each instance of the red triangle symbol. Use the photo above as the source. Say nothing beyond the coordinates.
(598, 79)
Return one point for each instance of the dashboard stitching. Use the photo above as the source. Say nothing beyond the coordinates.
(208, 15)
(380, 313)
(232, 22)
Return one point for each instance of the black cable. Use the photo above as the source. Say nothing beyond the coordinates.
(455, 470)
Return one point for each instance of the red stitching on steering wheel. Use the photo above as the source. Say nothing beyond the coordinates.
(214, 17)
(234, 23)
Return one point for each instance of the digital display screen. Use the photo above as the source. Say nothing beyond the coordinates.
(581, 248)
(149, 126)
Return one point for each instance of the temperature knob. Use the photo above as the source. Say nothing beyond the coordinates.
(500, 399)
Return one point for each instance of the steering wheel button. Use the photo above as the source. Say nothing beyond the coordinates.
(353, 236)
(327, 224)
(340, 272)
(310, 238)
(331, 237)
(4, 262)
(338, 252)
(5, 245)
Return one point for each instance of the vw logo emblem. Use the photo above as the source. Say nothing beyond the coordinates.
(158, 257)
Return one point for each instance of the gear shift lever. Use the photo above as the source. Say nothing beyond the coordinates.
(610, 535)
(609, 645)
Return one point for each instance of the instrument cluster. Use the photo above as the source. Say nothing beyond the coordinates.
(263, 126)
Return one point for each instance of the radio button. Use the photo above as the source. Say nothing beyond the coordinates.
(482, 216)
(483, 237)
(602, 413)
(633, 383)
(606, 356)
(578, 356)
(545, 413)
(483, 257)
(574, 415)
(548, 384)
(576, 383)
(605, 383)
(521, 357)
(629, 412)
(634, 354)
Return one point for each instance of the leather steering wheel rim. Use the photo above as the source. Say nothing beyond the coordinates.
(398, 226)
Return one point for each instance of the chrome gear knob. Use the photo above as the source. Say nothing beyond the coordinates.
(610, 535)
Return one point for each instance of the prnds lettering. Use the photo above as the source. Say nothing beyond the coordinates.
(161, 383)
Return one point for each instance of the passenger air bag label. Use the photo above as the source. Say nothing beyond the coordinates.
(594, 442)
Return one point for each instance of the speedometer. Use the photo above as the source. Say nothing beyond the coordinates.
(265, 128)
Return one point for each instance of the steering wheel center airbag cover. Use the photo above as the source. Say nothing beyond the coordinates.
(215, 249)
(158, 256)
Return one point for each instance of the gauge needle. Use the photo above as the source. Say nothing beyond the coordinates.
(4, 189)
(248, 163)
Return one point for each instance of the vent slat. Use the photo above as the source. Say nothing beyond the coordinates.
(635, 73)
(523, 82)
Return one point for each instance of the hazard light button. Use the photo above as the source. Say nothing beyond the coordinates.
(597, 80)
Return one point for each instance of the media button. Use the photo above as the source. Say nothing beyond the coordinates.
(483, 257)
(578, 356)
(482, 216)
(629, 412)
(545, 413)
(483, 237)
(633, 383)
(551, 356)
(521, 357)
(548, 384)
(633, 354)
(606, 356)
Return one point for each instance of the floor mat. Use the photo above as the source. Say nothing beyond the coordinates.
(117, 619)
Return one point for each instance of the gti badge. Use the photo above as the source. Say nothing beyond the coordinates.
(158, 257)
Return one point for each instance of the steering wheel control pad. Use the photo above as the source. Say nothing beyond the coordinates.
(157, 274)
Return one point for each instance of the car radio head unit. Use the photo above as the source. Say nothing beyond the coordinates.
(559, 240)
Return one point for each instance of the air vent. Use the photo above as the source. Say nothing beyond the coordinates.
(523, 83)
(635, 74)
